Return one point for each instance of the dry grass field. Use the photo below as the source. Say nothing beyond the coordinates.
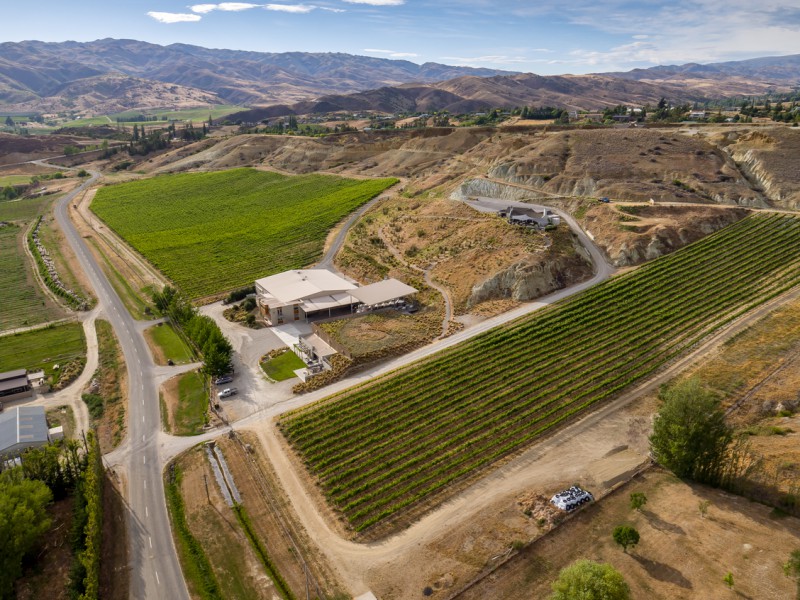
(682, 554)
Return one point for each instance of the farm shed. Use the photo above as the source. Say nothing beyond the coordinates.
(15, 385)
(22, 427)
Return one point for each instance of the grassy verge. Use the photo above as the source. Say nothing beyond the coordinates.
(130, 298)
(186, 404)
(282, 367)
(261, 552)
(64, 345)
(62, 416)
(166, 344)
(108, 408)
(196, 567)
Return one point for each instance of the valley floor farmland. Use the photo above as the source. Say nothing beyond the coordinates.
(390, 445)
(209, 232)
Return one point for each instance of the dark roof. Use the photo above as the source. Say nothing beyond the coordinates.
(22, 425)
(17, 382)
(12, 374)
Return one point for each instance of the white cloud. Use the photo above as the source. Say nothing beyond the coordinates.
(391, 53)
(378, 2)
(333, 10)
(165, 17)
(492, 59)
(235, 6)
(290, 8)
(203, 8)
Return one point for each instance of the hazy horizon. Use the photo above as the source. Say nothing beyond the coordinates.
(584, 37)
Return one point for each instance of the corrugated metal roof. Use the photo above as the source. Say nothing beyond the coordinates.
(383, 291)
(13, 374)
(22, 424)
(15, 382)
(291, 286)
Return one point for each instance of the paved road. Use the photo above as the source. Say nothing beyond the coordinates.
(155, 571)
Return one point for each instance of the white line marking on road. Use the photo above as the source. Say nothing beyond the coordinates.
(150, 540)
(143, 440)
(145, 484)
(142, 418)
(144, 459)
(158, 581)
(146, 512)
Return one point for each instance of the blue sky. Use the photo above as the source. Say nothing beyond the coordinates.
(580, 36)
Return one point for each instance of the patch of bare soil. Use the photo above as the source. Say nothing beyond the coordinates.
(114, 566)
(47, 575)
(213, 523)
(682, 554)
(19, 148)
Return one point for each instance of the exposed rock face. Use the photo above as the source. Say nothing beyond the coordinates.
(624, 251)
(534, 277)
(492, 189)
(768, 159)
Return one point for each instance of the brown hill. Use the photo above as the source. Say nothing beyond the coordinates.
(31, 70)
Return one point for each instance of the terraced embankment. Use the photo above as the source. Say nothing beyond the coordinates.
(390, 445)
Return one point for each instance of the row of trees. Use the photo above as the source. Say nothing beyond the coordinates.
(201, 330)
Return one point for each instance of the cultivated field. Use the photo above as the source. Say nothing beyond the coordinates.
(41, 349)
(209, 232)
(24, 303)
(388, 446)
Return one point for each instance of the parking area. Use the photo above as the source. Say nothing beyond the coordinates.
(253, 391)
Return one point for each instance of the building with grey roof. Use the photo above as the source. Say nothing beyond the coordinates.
(22, 427)
(15, 385)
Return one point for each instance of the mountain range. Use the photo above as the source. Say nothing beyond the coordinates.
(32, 72)
(107, 76)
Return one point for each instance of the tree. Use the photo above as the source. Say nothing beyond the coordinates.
(690, 436)
(23, 519)
(625, 536)
(589, 580)
(10, 122)
(703, 507)
(638, 500)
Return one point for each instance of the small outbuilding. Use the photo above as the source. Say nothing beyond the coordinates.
(22, 427)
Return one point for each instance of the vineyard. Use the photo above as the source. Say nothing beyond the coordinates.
(23, 301)
(386, 446)
(210, 232)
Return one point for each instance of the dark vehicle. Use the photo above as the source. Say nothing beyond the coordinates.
(606, 200)
(223, 379)
(171, 362)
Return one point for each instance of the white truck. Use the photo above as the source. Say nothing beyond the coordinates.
(227, 392)
(571, 498)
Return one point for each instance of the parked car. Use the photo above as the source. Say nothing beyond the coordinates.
(223, 379)
(571, 498)
(605, 200)
(227, 393)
